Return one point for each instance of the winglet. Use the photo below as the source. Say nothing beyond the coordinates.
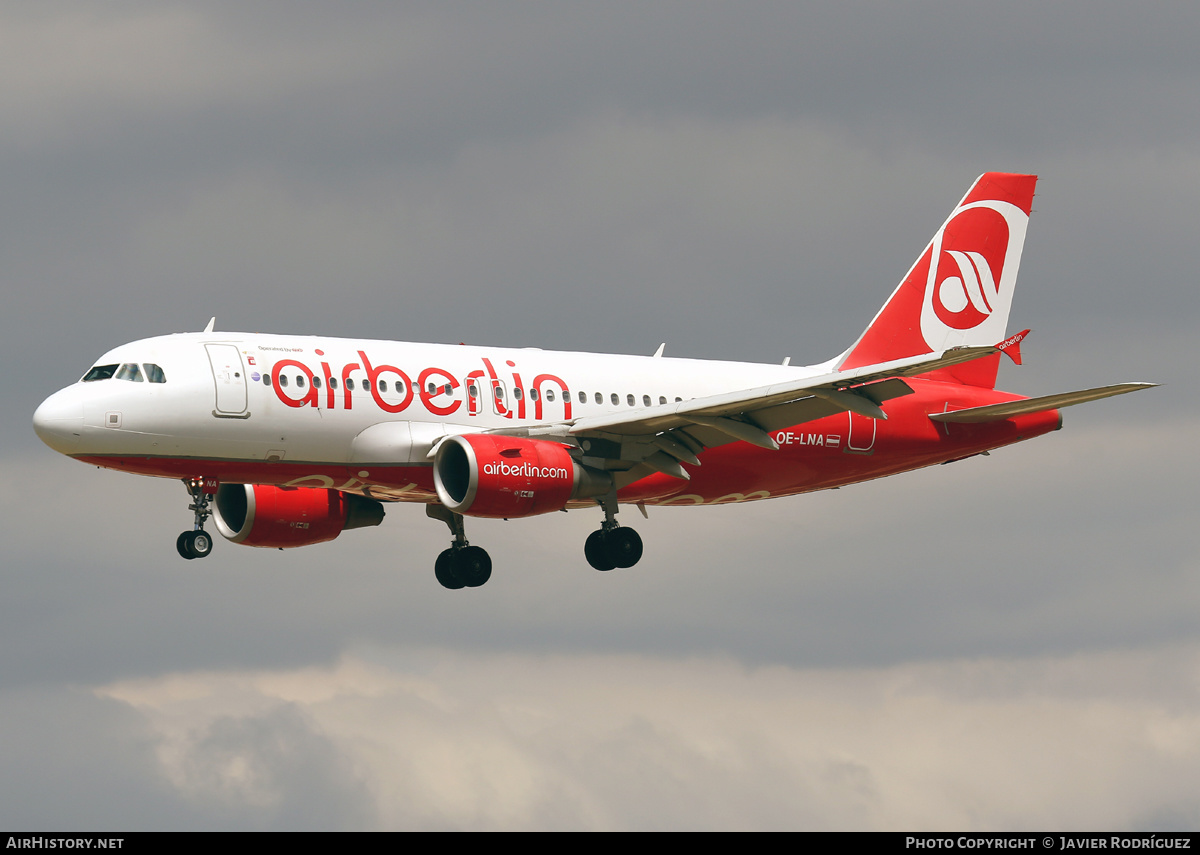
(1011, 347)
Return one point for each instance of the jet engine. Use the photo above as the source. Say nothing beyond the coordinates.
(489, 475)
(283, 517)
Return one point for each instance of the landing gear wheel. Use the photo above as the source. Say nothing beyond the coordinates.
(443, 568)
(194, 544)
(595, 550)
(472, 565)
(181, 546)
(624, 546)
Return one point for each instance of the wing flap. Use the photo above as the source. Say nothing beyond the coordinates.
(812, 408)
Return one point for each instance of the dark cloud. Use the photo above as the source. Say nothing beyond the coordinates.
(272, 771)
(75, 762)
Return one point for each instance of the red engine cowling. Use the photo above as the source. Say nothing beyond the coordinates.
(282, 517)
(488, 475)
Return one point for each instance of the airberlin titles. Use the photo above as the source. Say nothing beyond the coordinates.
(525, 470)
(431, 383)
(406, 391)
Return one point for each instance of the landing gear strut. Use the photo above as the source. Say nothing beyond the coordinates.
(462, 565)
(196, 543)
(612, 545)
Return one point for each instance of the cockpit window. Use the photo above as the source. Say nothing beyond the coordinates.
(130, 371)
(100, 372)
(154, 374)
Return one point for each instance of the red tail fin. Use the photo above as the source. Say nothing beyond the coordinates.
(960, 289)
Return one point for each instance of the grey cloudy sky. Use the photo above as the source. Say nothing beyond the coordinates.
(1010, 642)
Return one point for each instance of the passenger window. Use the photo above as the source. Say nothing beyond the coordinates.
(550, 395)
(533, 396)
(100, 372)
(645, 400)
(662, 399)
(130, 371)
(472, 390)
(266, 379)
(350, 383)
(599, 398)
(299, 381)
(616, 400)
(678, 400)
(154, 374)
(332, 382)
(517, 392)
(583, 397)
(382, 385)
(316, 382)
(283, 380)
(629, 400)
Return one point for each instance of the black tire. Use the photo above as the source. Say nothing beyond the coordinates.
(181, 546)
(443, 569)
(595, 550)
(623, 546)
(473, 566)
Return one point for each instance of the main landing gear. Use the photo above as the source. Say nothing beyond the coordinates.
(466, 566)
(462, 565)
(612, 545)
(196, 543)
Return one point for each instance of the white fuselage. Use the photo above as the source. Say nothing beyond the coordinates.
(351, 401)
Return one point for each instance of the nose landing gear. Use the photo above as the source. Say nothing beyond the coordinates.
(196, 543)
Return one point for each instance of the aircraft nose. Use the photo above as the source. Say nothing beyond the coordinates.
(58, 422)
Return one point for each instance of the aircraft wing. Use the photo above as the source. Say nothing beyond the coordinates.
(660, 437)
(784, 404)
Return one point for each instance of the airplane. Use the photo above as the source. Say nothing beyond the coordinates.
(288, 441)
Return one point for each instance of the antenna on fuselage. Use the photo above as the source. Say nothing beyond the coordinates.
(660, 350)
(211, 323)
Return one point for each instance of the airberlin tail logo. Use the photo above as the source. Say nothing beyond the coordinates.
(972, 286)
(973, 265)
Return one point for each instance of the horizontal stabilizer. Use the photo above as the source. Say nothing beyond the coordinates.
(999, 412)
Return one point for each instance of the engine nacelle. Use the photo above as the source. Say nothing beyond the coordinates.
(283, 517)
(488, 475)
